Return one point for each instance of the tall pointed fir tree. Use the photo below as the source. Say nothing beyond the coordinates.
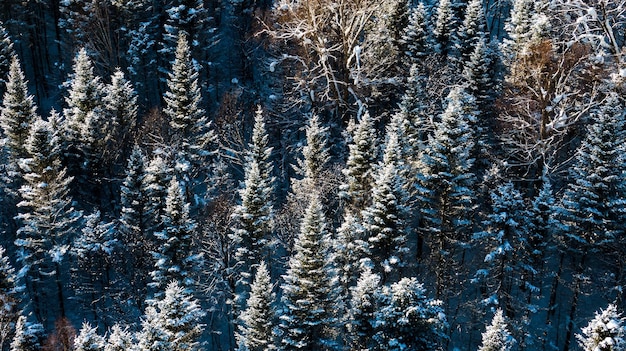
(416, 37)
(315, 153)
(362, 311)
(136, 240)
(446, 185)
(505, 239)
(188, 121)
(478, 76)
(7, 53)
(385, 218)
(88, 339)
(408, 320)
(8, 299)
(46, 218)
(175, 256)
(158, 174)
(446, 23)
(257, 321)
(363, 153)
(120, 102)
(471, 31)
(172, 322)
(119, 339)
(592, 208)
(83, 115)
(94, 251)
(28, 336)
(17, 113)
(605, 332)
(253, 217)
(309, 290)
(497, 337)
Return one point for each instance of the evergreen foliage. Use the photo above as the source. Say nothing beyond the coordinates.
(362, 313)
(408, 320)
(416, 36)
(360, 165)
(172, 322)
(28, 336)
(497, 337)
(255, 332)
(88, 339)
(7, 53)
(605, 332)
(175, 257)
(309, 289)
(119, 339)
(18, 111)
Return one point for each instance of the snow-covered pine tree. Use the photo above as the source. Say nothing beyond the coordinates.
(363, 153)
(119, 339)
(478, 76)
(136, 240)
(417, 33)
(446, 183)
(408, 320)
(93, 251)
(8, 299)
(7, 53)
(253, 218)
(174, 255)
(309, 290)
(257, 320)
(46, 215)
(315, 153)
(527, 24)
(362, 311)
(187, 18)
(593, 201)
(605, 332)
(446, 23)
(497, 337)
(88, 339)
(471, 31)
(385, 219)
(120, 102)
(28, 336)
(188, 121)
(158, 174)
(350, 250)
(18, 111)
(173, 322)
(505, 239)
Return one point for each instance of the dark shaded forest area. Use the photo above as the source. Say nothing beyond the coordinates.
(312, 175)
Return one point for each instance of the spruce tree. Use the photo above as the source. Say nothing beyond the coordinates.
(605, 332)
(88, 339)
(478, 78)
(309, 289)
(385, 218)
(505, 239)
(187, 119)
(408, 320)
(8, 298)
(497, 336)
(363, 152)
(446, 183)
(445, 25)
(18, 112)
(119, 339)
(255, 332)
(157, 178)
(46, 215)
(315, 153)
(85, 95)
(121, 109)
(471, 30)
(28, 336)
(362, 311)
(416, 36)
(172, 322)
(253, 217)
(175, 256)
(7, 53)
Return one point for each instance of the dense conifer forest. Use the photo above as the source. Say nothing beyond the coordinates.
(318, 175)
